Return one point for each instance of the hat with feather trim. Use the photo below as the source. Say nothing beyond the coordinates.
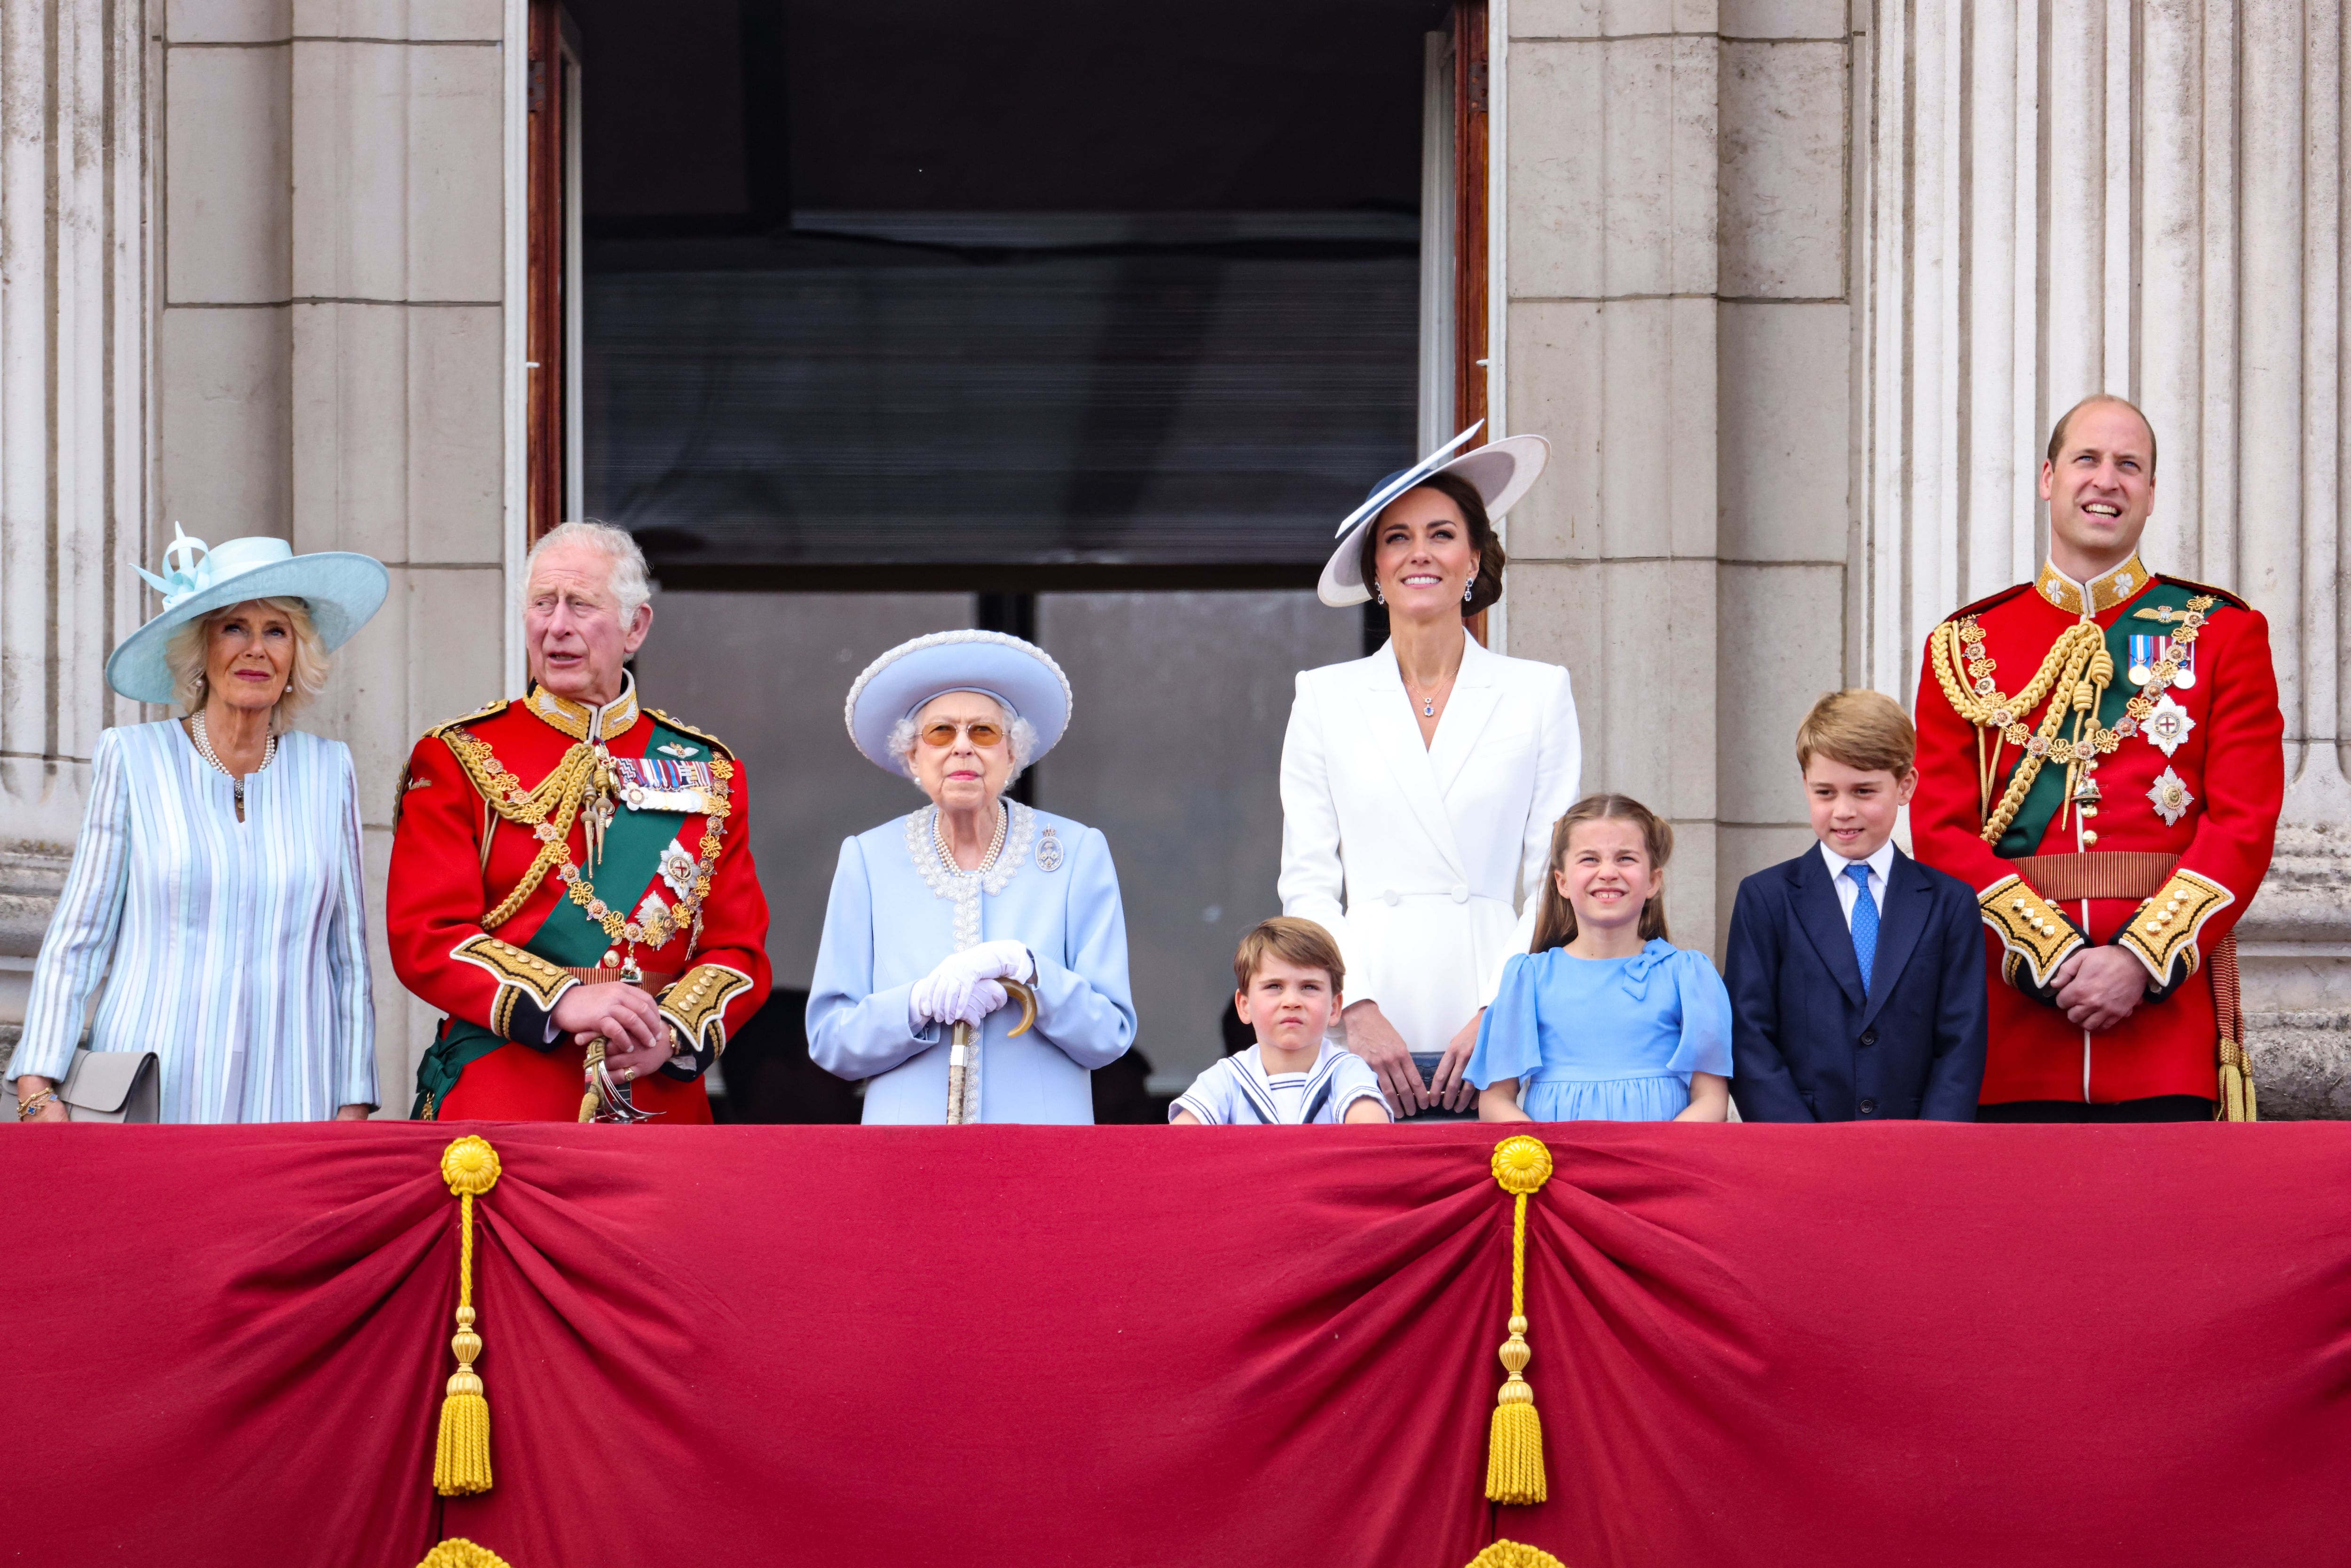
(1503, 471)
(341, 590)
(1021, 675)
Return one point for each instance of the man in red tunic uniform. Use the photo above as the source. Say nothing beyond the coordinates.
(2102, 760)
(572, 876)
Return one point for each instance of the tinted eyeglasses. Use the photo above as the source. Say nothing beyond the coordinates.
(984, 733)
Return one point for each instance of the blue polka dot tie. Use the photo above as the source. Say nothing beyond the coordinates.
(1865, 922)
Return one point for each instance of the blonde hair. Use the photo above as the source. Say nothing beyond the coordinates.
(1555, 922)
(184, 655)
(1294, 941)
(1863, 729)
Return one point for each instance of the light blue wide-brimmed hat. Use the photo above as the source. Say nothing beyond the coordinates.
(1021, 675)
(341, 588)
(1503, 471)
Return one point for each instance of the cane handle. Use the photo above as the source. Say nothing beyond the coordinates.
(1015, 990)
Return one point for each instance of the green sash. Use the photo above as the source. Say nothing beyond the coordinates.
(2047, 796)
(631, 860)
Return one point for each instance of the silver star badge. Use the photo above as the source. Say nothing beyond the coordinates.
(2171, 796)
(2168, 725)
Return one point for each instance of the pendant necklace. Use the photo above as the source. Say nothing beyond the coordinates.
(205, 749)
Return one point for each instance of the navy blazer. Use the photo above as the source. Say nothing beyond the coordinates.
(1808, 1046)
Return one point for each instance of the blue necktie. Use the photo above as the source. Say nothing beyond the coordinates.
(1864, 921)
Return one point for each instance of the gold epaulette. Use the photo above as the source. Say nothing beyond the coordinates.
(2165, 927)
(2036, 933)
(491, 711)
(704, 736)
(2203, 589)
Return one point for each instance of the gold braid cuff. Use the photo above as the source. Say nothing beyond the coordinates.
(2166, 926)
(2037, 934)
(696, 1005)
(519, 973)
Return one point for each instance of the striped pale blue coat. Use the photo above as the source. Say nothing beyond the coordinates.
(235, 951)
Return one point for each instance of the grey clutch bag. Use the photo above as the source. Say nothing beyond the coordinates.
(113, 1086)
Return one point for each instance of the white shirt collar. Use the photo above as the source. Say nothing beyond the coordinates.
(1880, 862)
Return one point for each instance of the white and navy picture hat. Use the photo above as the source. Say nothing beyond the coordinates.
(1503, 471)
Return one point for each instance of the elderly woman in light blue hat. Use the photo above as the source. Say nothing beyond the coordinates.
(217, 887)
(937, 915)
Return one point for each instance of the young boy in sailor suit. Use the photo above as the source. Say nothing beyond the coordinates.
(1288, 977)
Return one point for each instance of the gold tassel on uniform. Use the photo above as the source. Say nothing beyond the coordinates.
(461, 1461)
(1514, 1466)
(2236, 1100)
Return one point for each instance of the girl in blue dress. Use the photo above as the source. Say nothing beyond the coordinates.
(1605, 1020)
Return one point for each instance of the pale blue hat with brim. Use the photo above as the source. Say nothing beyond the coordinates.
(341, 588)
(1021, 675)
(1503, 471)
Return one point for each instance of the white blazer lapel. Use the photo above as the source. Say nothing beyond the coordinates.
(1476, 692)
(1396, 738)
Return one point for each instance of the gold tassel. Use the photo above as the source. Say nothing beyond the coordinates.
(1514, 1465)
(461, 1461)
(459, 1553)
(1514, 1554)
(2237, 1103)
(590, 1101)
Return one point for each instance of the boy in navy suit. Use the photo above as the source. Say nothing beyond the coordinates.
(1856, 975)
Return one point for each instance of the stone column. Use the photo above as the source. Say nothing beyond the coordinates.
(2141, 196)
(1674, 317)
(73, 85)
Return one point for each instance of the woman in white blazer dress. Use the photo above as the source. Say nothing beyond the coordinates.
(1419, 785)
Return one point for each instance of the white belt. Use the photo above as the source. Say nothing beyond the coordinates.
(1458, 893)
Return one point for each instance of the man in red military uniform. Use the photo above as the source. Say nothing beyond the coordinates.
(572, 879)
(2102, 760)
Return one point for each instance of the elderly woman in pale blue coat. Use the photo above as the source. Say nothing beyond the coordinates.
(932, 914)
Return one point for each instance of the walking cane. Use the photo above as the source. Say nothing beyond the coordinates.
(964, 1055)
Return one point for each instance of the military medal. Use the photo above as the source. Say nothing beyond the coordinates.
(2170, 797)
(2168, 725)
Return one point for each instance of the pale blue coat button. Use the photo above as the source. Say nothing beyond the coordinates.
(1460, 893)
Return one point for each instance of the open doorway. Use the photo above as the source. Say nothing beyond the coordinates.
(1085, 322)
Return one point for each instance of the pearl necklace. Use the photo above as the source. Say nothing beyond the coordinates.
(205, 749)
(947, 851)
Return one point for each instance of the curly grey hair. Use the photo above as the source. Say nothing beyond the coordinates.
(633, 582)
(904, 737)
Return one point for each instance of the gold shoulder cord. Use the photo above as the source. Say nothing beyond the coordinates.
(547, 810)
(2079, 667)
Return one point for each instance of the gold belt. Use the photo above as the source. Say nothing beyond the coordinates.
(650, 979)
(2097, 874)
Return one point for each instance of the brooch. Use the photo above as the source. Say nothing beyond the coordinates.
(2168, 725)
(2169, 793)
(1048, 852)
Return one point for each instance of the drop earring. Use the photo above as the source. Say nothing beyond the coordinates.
(1377, 596)
(1468, 588)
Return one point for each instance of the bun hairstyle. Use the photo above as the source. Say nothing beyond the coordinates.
(1488, 588)
(1555, 922)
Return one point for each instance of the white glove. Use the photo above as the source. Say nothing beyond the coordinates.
(963, 989)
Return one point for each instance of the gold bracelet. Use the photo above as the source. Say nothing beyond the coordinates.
(30, 1107)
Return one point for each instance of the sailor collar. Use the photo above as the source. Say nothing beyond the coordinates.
(581, 722)
(2100, 594)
